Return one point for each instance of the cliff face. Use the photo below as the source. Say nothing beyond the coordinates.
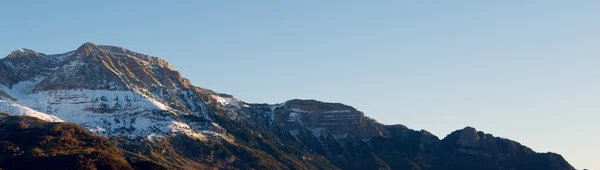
(333, 118)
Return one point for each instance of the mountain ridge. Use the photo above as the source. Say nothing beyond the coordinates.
(131, 97)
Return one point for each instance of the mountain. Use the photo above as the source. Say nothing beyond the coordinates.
(144, 107)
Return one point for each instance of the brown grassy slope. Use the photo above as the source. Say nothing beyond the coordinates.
(29, 143)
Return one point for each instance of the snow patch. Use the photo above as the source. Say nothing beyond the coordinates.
(16, 109)
(294, 117)
(96, 130)
(299, 110)
(295, 133)
(275, 107)
(153, 137)
(338, 111)
(9, 64)
(183, 128)
(60, 57)
(228, 101)
(220, 100)
(319, 132)
(101, 111)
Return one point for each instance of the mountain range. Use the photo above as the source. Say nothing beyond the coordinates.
(107, 107)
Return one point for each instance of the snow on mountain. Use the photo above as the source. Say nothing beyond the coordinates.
(114, 112)
(16, 109)
(113, 91)
(109, 90)
(230, 101)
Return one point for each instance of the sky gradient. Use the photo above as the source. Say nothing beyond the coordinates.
(527, 71)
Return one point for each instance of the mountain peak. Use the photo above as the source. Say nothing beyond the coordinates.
(468, 137)
(88, 43)
(23, 52)
(86, 49)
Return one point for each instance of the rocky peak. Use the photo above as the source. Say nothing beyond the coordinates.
(23, 52)
(468, 137)
(114, 53)
(151, 60)
(88, 45)
(87, 49)
(23, 64)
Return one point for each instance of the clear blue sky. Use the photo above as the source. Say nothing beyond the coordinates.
(522, 70)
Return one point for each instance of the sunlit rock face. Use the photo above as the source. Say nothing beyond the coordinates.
(334, 117)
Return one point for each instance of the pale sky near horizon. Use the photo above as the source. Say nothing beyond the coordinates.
(524, 70)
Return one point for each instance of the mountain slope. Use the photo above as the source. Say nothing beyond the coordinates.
(109, 92)
(30, 143)
(146, 107)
